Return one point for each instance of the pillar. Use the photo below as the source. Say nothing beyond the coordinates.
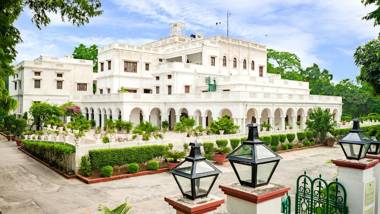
(282, 124)
(177, 118)
(145, 117)
(303, 122)
(377, 178)
(271, 122)
(258, 122)
(204, 119)
(358, 179)
(260, 200)
(294, 122)
(198, 206)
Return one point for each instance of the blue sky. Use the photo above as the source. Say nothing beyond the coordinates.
(322, 31)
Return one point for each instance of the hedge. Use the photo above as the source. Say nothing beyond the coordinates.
(153, 165)
(275, 140)
(282, 138)
(290, 137)
(54, 153)
(208, 147)
(133, 168)
(266, 139)
(106, 171)
(234, 142)
(301, 136)
(121, 156)
(222, 143)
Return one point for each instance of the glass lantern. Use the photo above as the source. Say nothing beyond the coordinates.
(195, 176)
(374, 148)
(253, 162)
(355, 145)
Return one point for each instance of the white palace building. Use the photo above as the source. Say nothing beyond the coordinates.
(204, 78)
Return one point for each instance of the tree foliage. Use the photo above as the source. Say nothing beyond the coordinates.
(44, 112)
(320, 122)
(375, 15)
(79, 123)
(89, 53)
(224, 123)
(13, 125)
(367, 57)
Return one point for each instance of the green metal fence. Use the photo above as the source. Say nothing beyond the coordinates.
(286, 205)
(316, 196)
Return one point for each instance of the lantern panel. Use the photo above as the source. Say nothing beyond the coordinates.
(262, 152)
(244, 151)
(364, 150)
(264, 172)
(352, 150)
(185, 167)
(203, 167)
(184, 184)
(244, 172)
(202, 185)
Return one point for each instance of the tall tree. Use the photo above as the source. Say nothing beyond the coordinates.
(78, 12)
(375, 15)
(367, 57)
(282, 62)
(89, 53)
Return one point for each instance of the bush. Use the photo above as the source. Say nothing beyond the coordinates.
(121, 156)
(301, 136)
(153, 165)
(208, 147)
(282, 138)
(170, 146)
(320, 121)
(54, 153)
(173, 155)
(290, 137)
(274, 148)
(226, 124)
(221, 143)
(106, 171)
(290, 145)
(209, 156)
(185, 147)
(285, 146)
(223, 150)
(85, 166)
(309, 135)
(266, 139)
(243, 139)
(133, 168)
(306, 143)
(275, 140)
(105, 139)
(234, 143)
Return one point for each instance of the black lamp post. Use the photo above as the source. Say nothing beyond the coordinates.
(374, 148)
(195, 176)
(253, 162)
(355, 145)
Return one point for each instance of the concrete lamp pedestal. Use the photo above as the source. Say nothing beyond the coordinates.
(359, 181)
(248, 200)
(197, 206)
(376, 171)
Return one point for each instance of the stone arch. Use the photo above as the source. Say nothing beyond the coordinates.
(198, 117)
(110, 115)
(171, 118)
(209, 118)
(290, 118)
(119, 114)
(278, 119)
(265, 116)
(87, 114)
(136, 116)
(251, 116)
(155, 117)
(92, 114)
(301, 118)
(105, 117)
(225, 112)
(183, 112)
(100, 118)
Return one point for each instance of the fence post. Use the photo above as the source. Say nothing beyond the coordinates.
(358, 179)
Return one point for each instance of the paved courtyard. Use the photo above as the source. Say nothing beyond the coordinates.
(26, 186)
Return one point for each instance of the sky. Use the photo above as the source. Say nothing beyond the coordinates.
(325, 32)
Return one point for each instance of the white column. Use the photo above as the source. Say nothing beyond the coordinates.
(282, 124)
(303, 122)
(177, 118)
(146, 117)
(271, 121)
(294, 123)
(204, 119)
(258, 123)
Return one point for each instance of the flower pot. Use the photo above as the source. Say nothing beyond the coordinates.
(18, 141)
(172, 165)
(219, 158)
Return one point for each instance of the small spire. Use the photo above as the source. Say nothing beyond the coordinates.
(356, 126)
(253, 132)
(195, 150)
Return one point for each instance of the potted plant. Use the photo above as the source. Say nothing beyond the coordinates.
(221, 151)
(173, 157)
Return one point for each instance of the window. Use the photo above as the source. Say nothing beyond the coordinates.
(109, 64)
(130, 66)
(81, 86)
(60, 75)
(147, 66)
(213, 61)
(160, 60)
(108, 91)
(59, 84)
(157, 77)
(37, 73)
(157, 89)
(101, 66)
(224, 61)
(253, 65)
(101, 91)
(169, 76)
(169, 89)
(15, 85)
(261, 71)
(147, 91)
(187, 89)
(235, 63)
(244, 64)
(37, 83)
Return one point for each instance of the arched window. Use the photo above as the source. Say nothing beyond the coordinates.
(253, 65)
(224, 61)
(235, 63)
(244, 64)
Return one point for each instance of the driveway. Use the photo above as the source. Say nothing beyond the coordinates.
(27, 186)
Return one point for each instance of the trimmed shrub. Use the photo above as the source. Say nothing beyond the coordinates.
(105, 139)
(170, 146)
(243, 139)
(208, 147)
(307, 143)
(153, 165)
(221, 143)
(209, 156)
(309, 135)
(290, 145)
(185, 147)
(275, 140)
(285, 146)
(301, 136)
(85, 166)
(133, 168)
(121, 156)
(266, 139)
(274, 148)
(282, 138)
(290, 137)
(234, 143)
(106, 171)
